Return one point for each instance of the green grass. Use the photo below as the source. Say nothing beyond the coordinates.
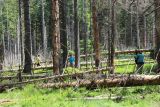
(30, 96)
(69, 70)
(147, 69)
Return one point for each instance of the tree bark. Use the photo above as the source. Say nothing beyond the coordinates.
(76, 33)
(138, 27)
(44, 41)
(1, 54)
(113, 37)
(124, 81)
(70, 24)
(27, 38)
(56, 37)
(95, 34)
(20, 35)
(50, 25)
(20, 30)
(84, 26)
(109, 36)
(84, 30)
(63, 33)
(141, 20)
(1, 44)
(157, 38)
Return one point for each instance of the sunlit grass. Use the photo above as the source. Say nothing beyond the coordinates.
(31, 96)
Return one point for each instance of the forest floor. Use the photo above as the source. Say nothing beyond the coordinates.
(32, 96)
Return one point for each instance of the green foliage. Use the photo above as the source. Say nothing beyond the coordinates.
(71, 70)
(71, 52)
(9, 17)
(89, 45)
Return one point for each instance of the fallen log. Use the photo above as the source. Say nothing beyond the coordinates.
(23, 77)
(125, 81)
(45, 77)
(99, 98)
(122, 52)
(76, 75)
(103, 62)
(148, 62)
(134, 51)
(37, 68)
(4, 101)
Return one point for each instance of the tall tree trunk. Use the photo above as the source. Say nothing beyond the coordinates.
(145, 33)
(157, 40)
(72, 26)
(20, 37)
(76, 33)
(33, 35)
(141, 20)
(138, 27)
(44, 46)
(2, 48)
(84, 29)
(50, 25)
(131, 26)
(20, 30)
(109, 36)
(84, 25)
(153, 38)
(113, 35)
(27, 38)
(56, 37)
(95, 34)
(1, 52)
(63, 32)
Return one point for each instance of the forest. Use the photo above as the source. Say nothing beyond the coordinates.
(79, 53)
